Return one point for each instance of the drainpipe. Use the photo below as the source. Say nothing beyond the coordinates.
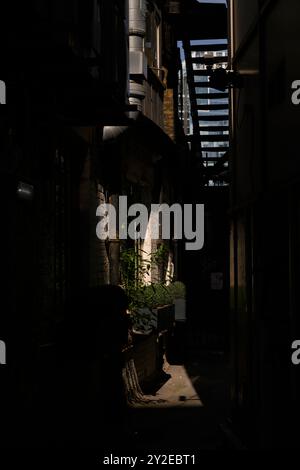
(137, 76)
(114, 248)
(137, 65)
(137, 58)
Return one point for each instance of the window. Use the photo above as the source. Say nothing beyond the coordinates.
(153, 38)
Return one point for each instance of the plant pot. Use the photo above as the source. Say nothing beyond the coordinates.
(165, 317)
(160, 319)
(145, 322)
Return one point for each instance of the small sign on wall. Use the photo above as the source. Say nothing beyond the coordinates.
(216, 281)
(2, 353)
(2, 92)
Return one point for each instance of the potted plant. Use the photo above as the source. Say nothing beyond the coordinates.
(151, 308)
(147, 302)
(157, 307)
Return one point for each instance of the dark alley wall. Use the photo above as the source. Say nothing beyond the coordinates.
(265, 220)
(206, 273)
(65, 66)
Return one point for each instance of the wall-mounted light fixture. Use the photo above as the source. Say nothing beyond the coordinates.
(25, 191)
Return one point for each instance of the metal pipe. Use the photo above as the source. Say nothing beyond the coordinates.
(137, 64)
(137, 33)
(137, 17)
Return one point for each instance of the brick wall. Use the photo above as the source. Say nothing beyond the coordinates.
(153, 102)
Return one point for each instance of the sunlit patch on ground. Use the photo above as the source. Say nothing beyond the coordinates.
(177, 391)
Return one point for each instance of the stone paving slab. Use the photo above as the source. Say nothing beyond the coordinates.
(177, 392)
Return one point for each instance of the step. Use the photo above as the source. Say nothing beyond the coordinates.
(215, 149)
(212, 107)
(213, 117)
(210, 60)
(209, 47)
(211, 96)
(208, 138)
(214, 128)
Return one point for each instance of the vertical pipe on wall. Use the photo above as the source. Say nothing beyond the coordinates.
(137, 33)
(114, 247)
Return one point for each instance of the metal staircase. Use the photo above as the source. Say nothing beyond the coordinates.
(209, 136)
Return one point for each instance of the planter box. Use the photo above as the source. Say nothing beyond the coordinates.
(150, 323)
(165, 317)
(149, 346)
(161, 319)
(144, 353)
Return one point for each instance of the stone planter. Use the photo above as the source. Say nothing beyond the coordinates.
(146, 322)
(144, 354)
(158, 319)
(165, 317)
(149, 344)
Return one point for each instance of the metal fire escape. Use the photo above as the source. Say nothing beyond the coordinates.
(209, 108)
(202, 30)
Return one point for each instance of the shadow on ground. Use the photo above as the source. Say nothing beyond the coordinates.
(188, 411)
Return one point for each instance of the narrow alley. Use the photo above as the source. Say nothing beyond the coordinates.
(187, 414)
(150, 240)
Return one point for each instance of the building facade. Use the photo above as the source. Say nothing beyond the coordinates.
(264, 221)
(89, 116)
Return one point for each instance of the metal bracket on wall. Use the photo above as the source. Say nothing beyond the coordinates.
(222, 79)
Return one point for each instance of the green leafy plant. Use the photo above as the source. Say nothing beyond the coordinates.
(134, 268)
(177, 290)
(159, 295)
(143, 298)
